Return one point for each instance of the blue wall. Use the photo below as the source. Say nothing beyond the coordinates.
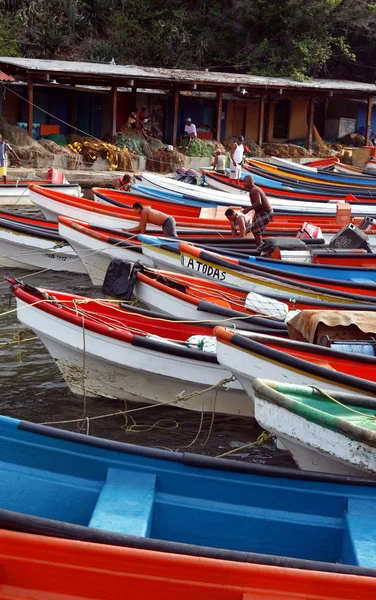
(202, 111)
(57, 102)
(361, 119)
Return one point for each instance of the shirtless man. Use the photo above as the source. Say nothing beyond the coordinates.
(155, 217)
(240, 224)
(262, 207)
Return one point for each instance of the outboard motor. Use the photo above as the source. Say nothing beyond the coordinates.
(367, 347)
(181, 174)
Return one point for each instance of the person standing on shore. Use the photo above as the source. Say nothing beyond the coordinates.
(4, 149)
(236, 159)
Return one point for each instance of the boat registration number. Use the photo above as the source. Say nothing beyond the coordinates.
(200, 267)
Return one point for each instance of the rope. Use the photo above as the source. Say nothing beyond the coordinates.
(174, 400)
(16, 341)
(262, 438)
(357, 412)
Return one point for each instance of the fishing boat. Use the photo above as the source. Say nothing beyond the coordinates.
(180, 294)
(54, 204)
(329, 433)
(97, 248)
(30, 247)
(16, 193)
(108, 492)
(279, 192)
(320, 178)
(40, 566)
(288, 360)
(233, 272)
(104, 350)
(272, 187)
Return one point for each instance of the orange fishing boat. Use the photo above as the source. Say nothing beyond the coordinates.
(38, 567)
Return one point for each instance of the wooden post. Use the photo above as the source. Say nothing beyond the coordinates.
(175, 115)
(369, 119)
(114, 99)
(260, 137)
(218, 121)
(73, 111)
(310, 115)
(133, 99)
(30, 105)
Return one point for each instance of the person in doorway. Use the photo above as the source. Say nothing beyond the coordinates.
(260, 205)
(154, 217)
(4, 149)
(240, 224)
(123, 183)
(219, 162)
(236, 159)
(143, 116)
(190, 131)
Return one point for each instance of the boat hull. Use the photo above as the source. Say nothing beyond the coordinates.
(97, 366)
(47, 567)
(20, 195)
(30, 253)
(247, 367)
(96, 254)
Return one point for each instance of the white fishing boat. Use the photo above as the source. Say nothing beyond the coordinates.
(193, 260)
(103, 350)
(31, 252)
(95, 249)
(325, 431)
(284, 360)
(17, 193)
(53, 205)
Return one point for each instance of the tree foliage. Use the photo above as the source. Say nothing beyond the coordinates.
(297, 38)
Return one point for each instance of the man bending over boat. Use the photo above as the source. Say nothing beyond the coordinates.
(262, 207)
(240, 224)
(4, 148)
(154, 217)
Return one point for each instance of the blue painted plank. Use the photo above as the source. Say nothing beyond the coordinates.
(125, 504)
(360, 533)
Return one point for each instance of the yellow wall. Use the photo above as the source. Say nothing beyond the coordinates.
(242, 119)
(298, 118)
(297, 126)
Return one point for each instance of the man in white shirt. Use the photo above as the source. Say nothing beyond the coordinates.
(236, 159)
(190, 131)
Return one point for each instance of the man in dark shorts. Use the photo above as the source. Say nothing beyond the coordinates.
(262, 207)
(155, 217)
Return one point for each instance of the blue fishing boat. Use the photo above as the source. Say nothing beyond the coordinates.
(70, 485)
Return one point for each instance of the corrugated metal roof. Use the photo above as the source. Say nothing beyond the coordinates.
(186, 76)
(5, 77)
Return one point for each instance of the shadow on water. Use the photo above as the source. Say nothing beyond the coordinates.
(33, 389)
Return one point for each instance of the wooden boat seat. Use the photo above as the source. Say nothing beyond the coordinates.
(216, 213)
(125, 503)
(359, 533)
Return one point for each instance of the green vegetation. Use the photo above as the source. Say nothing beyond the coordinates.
(297, 38)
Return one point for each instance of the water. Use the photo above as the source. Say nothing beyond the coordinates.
(33, 389)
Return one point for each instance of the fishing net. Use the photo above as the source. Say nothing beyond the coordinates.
(200, 147)
(27, 149)
(91, 149)
(138, 145)
(163, 161)
(285, 150)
